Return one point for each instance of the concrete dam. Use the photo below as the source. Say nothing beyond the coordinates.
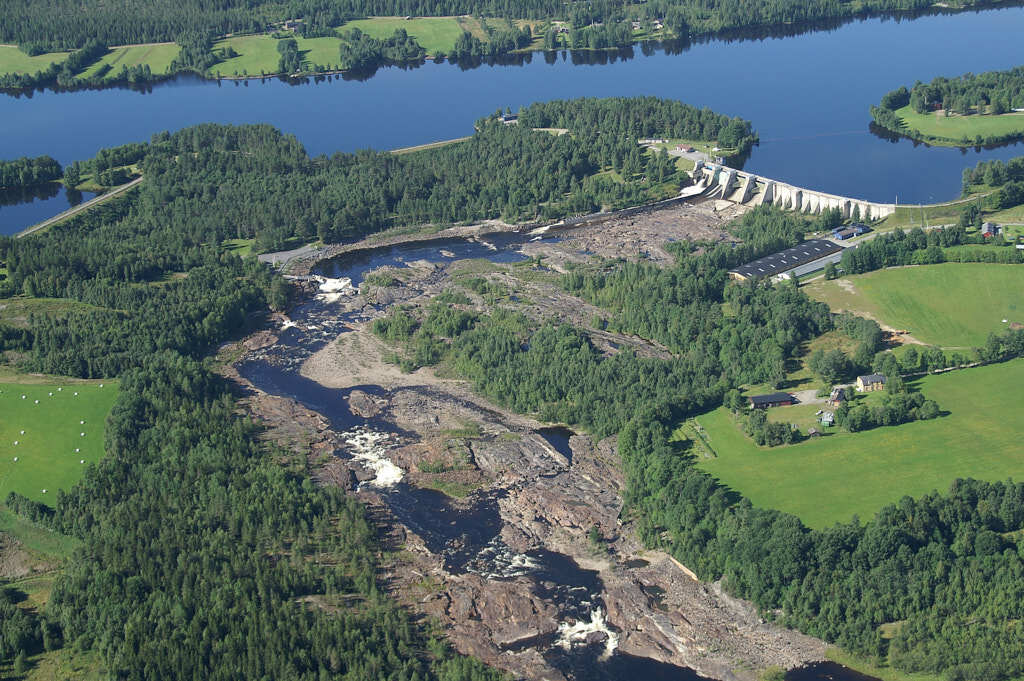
(721, 182)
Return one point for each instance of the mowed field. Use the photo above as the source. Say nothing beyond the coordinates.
(829, 479)
(953, 305)
(157, 55)
(13, 60)
(955, 128)
(437, 35)
(46, 451)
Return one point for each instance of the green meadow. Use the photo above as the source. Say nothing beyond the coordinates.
(951, 305)
(829, 479)
(13, 60)
(52, 448)
(953, 129)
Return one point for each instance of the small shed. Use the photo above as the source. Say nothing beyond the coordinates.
(827, 418)
(836, 397)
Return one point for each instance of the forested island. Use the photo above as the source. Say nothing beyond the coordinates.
(970, 110)
(191, 525)
(100, 45)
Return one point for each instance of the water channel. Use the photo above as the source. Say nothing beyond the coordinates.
(807, 94)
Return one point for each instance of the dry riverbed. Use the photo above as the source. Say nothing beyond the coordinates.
(548, 505)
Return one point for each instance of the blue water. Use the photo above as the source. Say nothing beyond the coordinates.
(20, 209)
(807, 95)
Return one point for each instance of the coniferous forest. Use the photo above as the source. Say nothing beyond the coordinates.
(206, 556)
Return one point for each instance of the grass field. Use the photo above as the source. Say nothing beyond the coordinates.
(258, 54)
(951, 305)
(158, 55)
(437, 35)
(51, 449)
(954, 129)
(829, 479)
(13, 60)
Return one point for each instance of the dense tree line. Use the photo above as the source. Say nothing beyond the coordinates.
(468, 46)
(28, 172)
(993, 92)
(640, 117)
(916, 247)
(1006, 177)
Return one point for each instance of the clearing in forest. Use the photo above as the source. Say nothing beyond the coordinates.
(47, 421)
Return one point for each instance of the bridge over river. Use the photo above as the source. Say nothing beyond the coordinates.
(715, 181)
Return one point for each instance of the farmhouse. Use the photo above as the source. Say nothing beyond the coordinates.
(836, 397)
(989, 230)
(808, 253)
(771, 400)
(870, 383)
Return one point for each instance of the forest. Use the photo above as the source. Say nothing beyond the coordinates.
(68, 24)
(28, 172)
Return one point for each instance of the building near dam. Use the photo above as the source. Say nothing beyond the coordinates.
(803, 258)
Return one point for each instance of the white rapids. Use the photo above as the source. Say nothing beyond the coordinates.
(332, 290)
(365, 447)
(577, 633)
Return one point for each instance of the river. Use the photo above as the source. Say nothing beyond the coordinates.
(807, 95)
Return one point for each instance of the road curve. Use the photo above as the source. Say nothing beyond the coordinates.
(79, 208)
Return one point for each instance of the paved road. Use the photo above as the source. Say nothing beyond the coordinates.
(79, 208)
